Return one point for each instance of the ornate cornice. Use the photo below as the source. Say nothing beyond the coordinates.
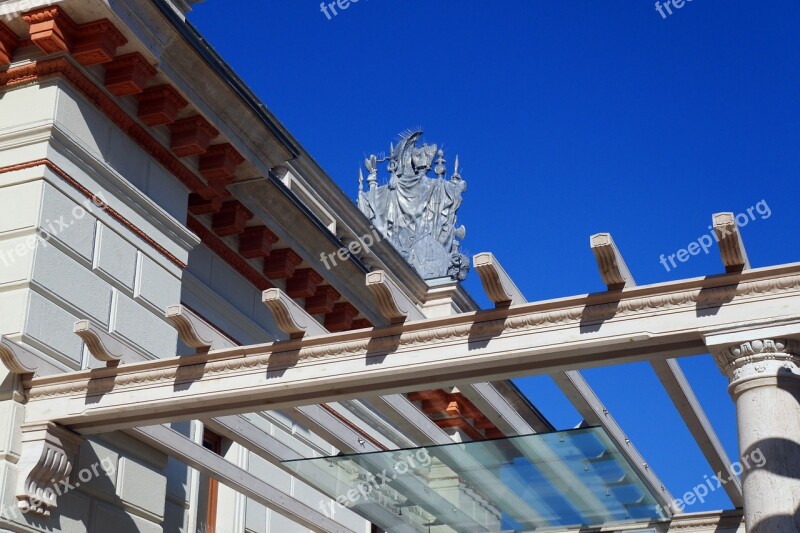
(218, 246)
(63, 67)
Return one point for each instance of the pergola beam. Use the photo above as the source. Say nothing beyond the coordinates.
(616, 275)
(207, 462)
(682, 395)
(243, 432)
(641, 323)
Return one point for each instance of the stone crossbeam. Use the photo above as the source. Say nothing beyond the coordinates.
(642, 323)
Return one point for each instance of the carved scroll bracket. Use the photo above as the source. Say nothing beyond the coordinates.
(48, 454)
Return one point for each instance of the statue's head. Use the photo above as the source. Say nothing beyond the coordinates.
(422, 158)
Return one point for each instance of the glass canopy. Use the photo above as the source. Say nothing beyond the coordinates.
(555, 481)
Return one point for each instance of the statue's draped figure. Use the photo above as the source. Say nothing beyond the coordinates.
(416, 213)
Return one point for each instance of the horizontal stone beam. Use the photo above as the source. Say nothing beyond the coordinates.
(647, 322)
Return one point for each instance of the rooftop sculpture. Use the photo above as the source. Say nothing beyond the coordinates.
(414, 212)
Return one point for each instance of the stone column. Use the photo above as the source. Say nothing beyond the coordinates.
(765, 385)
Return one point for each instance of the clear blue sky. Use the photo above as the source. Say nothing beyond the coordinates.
(571, 118)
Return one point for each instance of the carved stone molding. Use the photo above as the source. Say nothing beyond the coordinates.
(48, 453)
(759, 358)
(522, 319)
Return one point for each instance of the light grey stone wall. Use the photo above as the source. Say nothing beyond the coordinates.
(63, 258)
(93, 266)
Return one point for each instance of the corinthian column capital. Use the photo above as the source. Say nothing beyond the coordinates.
(759, 358)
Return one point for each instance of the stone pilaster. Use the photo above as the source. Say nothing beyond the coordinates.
(764, 379)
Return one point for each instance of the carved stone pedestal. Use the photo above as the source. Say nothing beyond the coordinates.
(765, 384)
(48, 453)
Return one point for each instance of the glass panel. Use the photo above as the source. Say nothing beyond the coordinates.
(562, 480)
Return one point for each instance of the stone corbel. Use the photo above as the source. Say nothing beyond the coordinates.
(194, 331)
(499, 286)
(100, 343)
(731, 245)
(392, 303)
(48, 454)
(21, 361)
(613, 270)
(290, 317)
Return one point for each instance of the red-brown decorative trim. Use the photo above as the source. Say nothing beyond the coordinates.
(323, 300)
(304, 283)
(160, 105)
(93, 43)
(450, 410)
(231, 219)
(219, 163)
(61, 66)
(229, 256)
(341, 318)
(192, 136)
(8, 43)
(256, 242)
(51, 29)
(200, 206)
(362, 323)
(98, 202)
(281, 263)
(128, 75)
(97, 42)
